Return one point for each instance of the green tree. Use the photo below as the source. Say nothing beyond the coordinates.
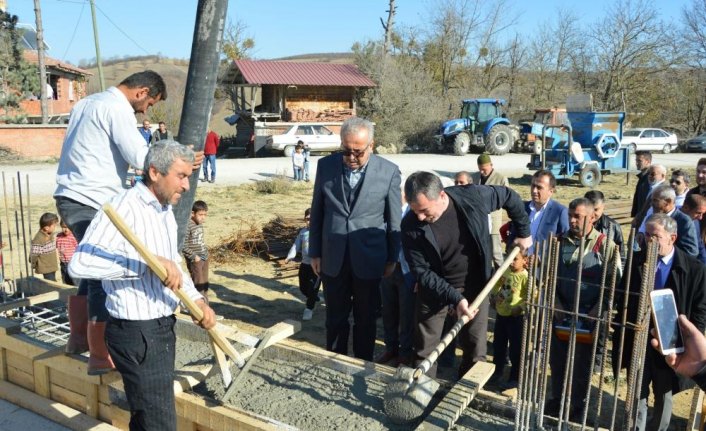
(17, 77)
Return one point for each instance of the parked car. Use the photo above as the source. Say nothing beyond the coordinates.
(649, 140)
(317, 136)
(696, 144)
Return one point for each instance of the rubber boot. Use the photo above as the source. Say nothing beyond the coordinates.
(99, 362)
(78, 323)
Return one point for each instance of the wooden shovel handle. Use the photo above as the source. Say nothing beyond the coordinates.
(159, 269)
(429, 361)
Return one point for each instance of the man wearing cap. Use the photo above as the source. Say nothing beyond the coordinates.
(488, 176)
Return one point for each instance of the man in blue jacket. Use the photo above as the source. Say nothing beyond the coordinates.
(447, 244)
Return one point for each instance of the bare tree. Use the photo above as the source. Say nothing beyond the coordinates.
(631, 44)
(389, 26)
(236, 43)
(693, 35)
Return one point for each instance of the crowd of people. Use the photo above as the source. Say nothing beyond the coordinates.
(415, 252)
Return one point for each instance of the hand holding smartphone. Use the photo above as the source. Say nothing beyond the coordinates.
(664, 316)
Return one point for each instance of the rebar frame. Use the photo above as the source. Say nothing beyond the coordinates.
(538, 330)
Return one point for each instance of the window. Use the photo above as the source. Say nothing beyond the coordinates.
(304, 130)
(321, 130)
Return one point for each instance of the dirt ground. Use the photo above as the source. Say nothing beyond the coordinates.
(247, 291)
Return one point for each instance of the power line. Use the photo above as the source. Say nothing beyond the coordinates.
(78, 21)
(120, 29)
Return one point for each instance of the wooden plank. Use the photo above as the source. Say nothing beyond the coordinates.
(20, 362)
(185, 328)
(188, 377)
(92, 400)
(3, 364)
(70, 382)
(41, 380)
(52, 410)
(20, 378)
(233, 419)
(40, 285)
(72, 399)
(120, 418)
(447, 412)
(37, 299)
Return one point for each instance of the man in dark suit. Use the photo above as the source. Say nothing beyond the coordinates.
(686, 276)
(546, 215)
(643, 159)
(449, 251)
(663, 199)
(354, 237)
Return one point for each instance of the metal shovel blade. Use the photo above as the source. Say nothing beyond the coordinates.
(406, 398)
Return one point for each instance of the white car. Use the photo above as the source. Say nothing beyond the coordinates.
(317, 136)
(649, 140)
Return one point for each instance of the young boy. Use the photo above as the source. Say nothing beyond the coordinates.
(308, 282)
(195, 250)
(298, 163)
(42, 254)
(66, 246)
(508, 296)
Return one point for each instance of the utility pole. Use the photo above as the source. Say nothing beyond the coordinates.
(98, 48)
(42, 65)
(199, 93)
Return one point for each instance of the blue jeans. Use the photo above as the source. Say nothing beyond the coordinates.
(209, 159)
(298, 174)
(306, 169)
(77, 217)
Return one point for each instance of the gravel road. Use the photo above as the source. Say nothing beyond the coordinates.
(240, 171)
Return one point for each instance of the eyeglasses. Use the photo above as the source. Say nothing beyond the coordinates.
(347, 152)
(677, 182)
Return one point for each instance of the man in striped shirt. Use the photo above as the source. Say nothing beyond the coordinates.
(140, 330)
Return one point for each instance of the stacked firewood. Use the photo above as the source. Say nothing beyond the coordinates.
(309, 115)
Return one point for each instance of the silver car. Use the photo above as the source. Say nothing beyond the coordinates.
(318, 137)
(649, 140)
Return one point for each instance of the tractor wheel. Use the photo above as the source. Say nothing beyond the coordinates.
(499, 140)
(288, 150)
(590, 176)
(666, 149)
(462, 143)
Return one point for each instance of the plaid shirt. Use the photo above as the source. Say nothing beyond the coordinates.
(66, 245)
(194, 244)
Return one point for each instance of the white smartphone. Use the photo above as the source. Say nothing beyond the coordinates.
(664, 316)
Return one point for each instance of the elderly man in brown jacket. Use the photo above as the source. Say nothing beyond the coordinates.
(488, 176)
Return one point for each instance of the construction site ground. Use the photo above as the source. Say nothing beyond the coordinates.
(254, 292)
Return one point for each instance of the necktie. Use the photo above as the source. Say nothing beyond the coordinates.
(660, 276)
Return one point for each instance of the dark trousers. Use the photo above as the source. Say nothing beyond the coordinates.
(661, 378)
(398, 312)
(472, 339)
(508, 330)
(143, 352)
(199, 274)
(65, 277)
(343, 293)
(558, 361)
(308, 285)
(77, 217)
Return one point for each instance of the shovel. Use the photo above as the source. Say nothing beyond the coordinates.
(410, 391)
(221, 343)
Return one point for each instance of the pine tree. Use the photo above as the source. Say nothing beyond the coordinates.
(17, 77)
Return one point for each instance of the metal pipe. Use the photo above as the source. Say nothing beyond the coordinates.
(7, 224)
(24, 231)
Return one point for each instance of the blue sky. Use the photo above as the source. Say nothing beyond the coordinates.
(279, 28)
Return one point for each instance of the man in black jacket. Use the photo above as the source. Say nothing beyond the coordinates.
(643, 159)
(601, 222)
(447, 244)
(686, 276)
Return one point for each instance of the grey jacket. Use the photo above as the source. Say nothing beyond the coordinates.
(494, 179)
(369, 232)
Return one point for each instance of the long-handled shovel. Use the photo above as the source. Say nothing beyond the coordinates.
(410, 390)
(155, 265)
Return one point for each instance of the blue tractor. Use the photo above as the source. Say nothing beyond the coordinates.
(588, 145)
(483, 124)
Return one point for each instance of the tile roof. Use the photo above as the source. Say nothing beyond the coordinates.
(33, 57)
(299, 73)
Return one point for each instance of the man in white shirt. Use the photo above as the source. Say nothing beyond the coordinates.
(101, 143)
(140, 329)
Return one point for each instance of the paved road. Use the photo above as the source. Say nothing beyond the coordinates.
(239, 171)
